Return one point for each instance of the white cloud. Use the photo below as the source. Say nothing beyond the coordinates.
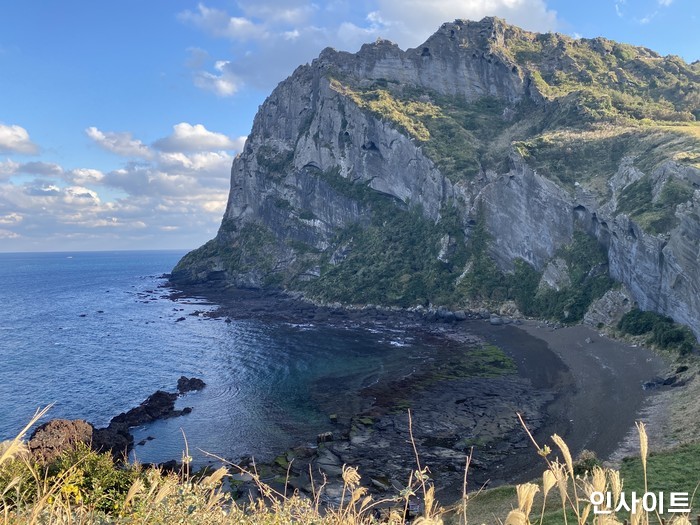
(648, 18)
(618, 8)
(15, 139)
(279, 11)
(7, 168)
(665, 3)
(40, 168)
(223, 83)
(188, 137)
(121, 143)
(42, 189)
(220, 24)
(83, 176)
(208, 164)
(239, 143)
(7, 234)
(80, 194)
(11, 218)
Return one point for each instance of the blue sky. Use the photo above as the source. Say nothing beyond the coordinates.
(119, 120)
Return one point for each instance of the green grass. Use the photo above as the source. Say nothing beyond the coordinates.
(676, 470)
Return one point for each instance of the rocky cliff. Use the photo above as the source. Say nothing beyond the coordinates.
(488, 164)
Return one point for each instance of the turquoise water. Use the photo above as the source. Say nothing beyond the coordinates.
(94, 334)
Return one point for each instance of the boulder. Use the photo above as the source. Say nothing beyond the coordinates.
(191, 384)
(57, 436)
(609, 309)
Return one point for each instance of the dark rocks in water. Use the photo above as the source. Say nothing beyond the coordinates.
(681, 369)
(179, 319)
(670, 380)
(158, 405)
(51, 439)
(445, 315)
(192, 384)
(495, 320)
(114, 438)
(653, 383)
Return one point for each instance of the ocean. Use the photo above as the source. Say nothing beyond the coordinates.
(94, 334)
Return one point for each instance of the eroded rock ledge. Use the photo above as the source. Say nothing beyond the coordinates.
(51, 439)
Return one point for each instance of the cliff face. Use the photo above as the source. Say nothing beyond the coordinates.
(462, 169)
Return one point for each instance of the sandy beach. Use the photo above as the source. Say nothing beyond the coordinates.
(607, 395)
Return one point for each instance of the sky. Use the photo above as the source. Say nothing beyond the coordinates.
(119, 120)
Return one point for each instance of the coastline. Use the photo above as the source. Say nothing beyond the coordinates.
(589, 393)
(609, 394)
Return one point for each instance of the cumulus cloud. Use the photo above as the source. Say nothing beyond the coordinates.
(186, 137)
(175, 188)
(40, 168)
(220, 24)
(121, 143)
(224, 82)
(15, 139)
(84, 176)
(239, 143)
(42, 189)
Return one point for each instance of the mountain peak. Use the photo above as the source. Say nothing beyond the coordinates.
(368, 176)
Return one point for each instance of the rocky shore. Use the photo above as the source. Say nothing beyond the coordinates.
(487, 368)
(566, 378)
(50, 439)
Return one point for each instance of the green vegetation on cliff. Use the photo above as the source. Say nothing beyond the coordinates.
(460, 137)
(586, 264)
(660, 329)
(393, 260)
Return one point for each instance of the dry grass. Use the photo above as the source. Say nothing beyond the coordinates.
(158, 498)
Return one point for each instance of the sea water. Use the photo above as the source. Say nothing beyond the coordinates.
(94, 334)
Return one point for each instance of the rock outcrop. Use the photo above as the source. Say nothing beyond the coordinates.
(50, 440)
(57, 436)
(482, 124)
